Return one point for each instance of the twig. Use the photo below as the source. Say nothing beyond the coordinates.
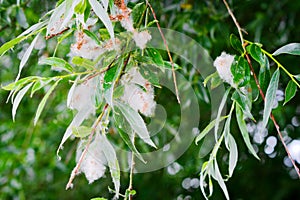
(77, 167)
(259, 88)
(130, 187)
(168, 51)
(56, 34)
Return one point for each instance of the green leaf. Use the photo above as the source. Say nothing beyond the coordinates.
(87, 11)
(244, 102)
(124, 130)
(149, 74)
(208, 128)
(152, 22)
(80, 7)
(208, 78)
(43, 102)
(236, 43)
(290, 91)
(137, 12)
(168, 65)
(18, 99)
(292, 48)
(215, 81)
(8, 45)
(57, 63)
(256, 53)
(98, 198)
(20, 83)
(119, 91)
(241, 72)
(81, 131)
(136, 122)
(270, 97)
(39, 84)
(92, 35)
(155, 55)
(83, 62)
(109, 78)
(243, 129)
(264, 75)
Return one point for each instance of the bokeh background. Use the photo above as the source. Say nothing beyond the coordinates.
(29, 168)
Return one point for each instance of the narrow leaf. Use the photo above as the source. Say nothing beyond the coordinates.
(57, 63)
(208, 128)
(111, 157)
(124, 130)
(43, 102)
(236, 43)
(270, 97)
(290, 91)
(39, 84)
(136, 122)
(233, 153)
(243, 129)
(222, 104)
(56, 17)
(292, 48)
(76, 122)
(26, 56)
(103, 16)
(155, 55)
(83, 62)
(81, 131)
(220, 180)
(92, 35)
(8, 45)
(244, 102)
(18, 99)
(230, 145)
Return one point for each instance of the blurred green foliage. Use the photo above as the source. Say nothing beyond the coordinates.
(29, 168)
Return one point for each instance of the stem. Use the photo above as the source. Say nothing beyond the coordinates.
(168, 51)
(236, 24)
(77, 167)
(281, 66)
(130, 187)
(258, 85)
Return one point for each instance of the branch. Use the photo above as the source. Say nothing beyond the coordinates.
(259, 88)
(77, 167)
(168, 51)
(56, 34)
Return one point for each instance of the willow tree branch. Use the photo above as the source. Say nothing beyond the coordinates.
(259, 87)
(83, 154)
(168, 51)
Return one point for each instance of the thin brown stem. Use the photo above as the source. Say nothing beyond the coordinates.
(259, 87)
(56, 34)
(168, 51)
(77, 167)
